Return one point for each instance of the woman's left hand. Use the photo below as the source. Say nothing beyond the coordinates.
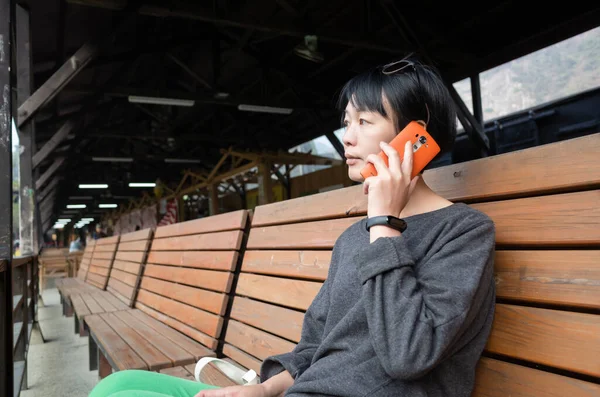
(389, 191)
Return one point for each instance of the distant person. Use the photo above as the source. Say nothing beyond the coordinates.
(75, 245)
(99, 233)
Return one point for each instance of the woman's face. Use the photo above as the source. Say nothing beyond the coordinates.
(364, 132)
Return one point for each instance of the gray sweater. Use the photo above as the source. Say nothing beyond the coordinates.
(403, 316)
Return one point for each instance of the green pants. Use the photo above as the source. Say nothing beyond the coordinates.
(135, 383)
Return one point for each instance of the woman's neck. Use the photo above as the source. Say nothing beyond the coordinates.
(422, 200)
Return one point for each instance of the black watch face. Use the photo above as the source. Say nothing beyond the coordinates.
(397, 223)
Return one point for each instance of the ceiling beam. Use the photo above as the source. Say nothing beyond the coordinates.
(179, 9)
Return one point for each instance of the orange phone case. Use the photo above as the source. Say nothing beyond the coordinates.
(425, 148)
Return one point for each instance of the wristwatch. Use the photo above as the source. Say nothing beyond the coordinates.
(387, 220)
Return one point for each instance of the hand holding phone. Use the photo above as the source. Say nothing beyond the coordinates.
(425, 148)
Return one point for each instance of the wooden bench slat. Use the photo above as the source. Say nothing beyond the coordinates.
(242, 357)
(182, 327)
(274, 319)
(79, 306)
(125, 300)
(105, 248)
(103, 302)
(115, 301)
(124, 290)
(178, 372)
(127, 267)
(96, 280)
(256, 342)
(101, 263)
(560, 339)
(567, 277)
(558, 220)
(173, 352)
(103, 255)
(133, 246)
(129, 256)
(311, 265)
(209, 279)
(205, 322)
(500, 379)
(91, 303)
(115, 347)
(572, 164)
(126, 278)
(152, 356)
(207, 300)
(213, 260)
(297, 294)
(186, 343)
(101, 271)
(213, 241)
(104, 241)
(215, 223)
(143, 234)
(308, 235)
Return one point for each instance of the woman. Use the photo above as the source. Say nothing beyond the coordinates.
(403, 312)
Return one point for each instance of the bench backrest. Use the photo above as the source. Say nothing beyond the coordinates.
(102, 260)
(189, 273)
(127, 266)
(84, 266)
(545, 202)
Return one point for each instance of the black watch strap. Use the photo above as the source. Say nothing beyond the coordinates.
(387, 220)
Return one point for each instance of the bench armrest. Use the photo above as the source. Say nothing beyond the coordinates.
(236, 374)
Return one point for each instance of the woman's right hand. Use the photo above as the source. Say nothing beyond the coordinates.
(236, 391)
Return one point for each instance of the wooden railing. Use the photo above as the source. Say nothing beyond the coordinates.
(18, 293)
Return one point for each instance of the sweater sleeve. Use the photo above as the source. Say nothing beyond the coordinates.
(416, 317)
(299, 359)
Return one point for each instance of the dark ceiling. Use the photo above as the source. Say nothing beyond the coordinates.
(197, 49)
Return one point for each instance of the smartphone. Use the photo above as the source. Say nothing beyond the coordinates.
(425, 148)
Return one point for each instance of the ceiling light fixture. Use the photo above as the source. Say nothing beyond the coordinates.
(107, 205)
(151, 184)
(72, 206)
(93, 186)
(264, 109)
(161, 101)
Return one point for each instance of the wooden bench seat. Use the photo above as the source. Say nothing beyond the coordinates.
(123, 279)
(65, 285)
(545, 202)
(97, 272)
(181, 301)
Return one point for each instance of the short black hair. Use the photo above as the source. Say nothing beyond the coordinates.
(411, 93)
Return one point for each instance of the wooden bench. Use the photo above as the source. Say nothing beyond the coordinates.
(122, 282)
(73, 261)
(97, 273)
(65, 284)
(181, 301)
(545, 202)
(53, 264)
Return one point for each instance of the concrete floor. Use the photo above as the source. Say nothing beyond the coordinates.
(59, 367)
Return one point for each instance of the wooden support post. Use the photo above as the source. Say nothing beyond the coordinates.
(213, 199)
(265, 184)
(6, 204)
(27, 233)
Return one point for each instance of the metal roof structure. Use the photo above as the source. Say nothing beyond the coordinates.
(89, 57)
